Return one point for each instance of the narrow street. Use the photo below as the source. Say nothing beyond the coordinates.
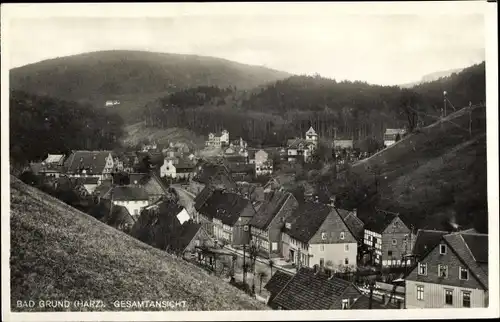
(186, 198)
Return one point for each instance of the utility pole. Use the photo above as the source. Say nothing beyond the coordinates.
(444, 95)
(244, 267)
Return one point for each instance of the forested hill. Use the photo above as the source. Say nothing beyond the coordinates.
(41, 125)
(133, 77)
(270, 114)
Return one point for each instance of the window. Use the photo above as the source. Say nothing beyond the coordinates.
(465, 299)
(342, 235)
(322, 248)
(274, 246)
(443, 271)
(346, 247)
(448, 297)
(422, 269)
(420, 293)
(394, 241)
(442, 249)
(245, 228)
(323, 236)
(369, 237)
(346, 261)
(463, 273)
(389, 253)
(345, 304)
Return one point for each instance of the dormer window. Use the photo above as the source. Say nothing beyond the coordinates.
(345, 304)
(442, 249)
(323, 236)
(342, 235)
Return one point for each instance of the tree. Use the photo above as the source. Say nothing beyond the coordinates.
(369, 145)
(145, 164)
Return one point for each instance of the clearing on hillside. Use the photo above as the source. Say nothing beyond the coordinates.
(60, 253)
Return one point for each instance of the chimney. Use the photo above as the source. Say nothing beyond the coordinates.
(400, 304)
(355, 212)
(333, 200)
(383, 299)
(316, 269)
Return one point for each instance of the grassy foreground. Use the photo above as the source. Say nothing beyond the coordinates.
(60, 253)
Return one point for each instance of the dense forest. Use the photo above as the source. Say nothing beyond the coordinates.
(41, 125)
(344, 109)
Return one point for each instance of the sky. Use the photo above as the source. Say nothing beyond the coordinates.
(384, 49)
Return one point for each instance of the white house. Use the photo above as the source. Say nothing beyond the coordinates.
(178, 168)
(218, 139)
(263, 165)
(131, 197)
(312, 136)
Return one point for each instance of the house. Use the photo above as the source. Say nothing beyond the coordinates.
(163, 225)
(388, 238)
(313, 289)
(218, 139)
(130, 197)
(276, 283)
(453, 274)
(55, 159)
(111, 103)
(263, 165)
(343, 143)
(425, 241)
(238, 144)
(225, 210)
(212, 174)
(240, 172)
(315, 234)
(391, 136)
(267, 223)
(151, 183)
(355, 225)
(89, 164)
(46, 169)
(89, 184)
(365, 303)
(312, 136)
(300, 149)
(182, 169)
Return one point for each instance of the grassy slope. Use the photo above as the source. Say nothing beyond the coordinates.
(417, 171)
(59, 253)
(136, 132)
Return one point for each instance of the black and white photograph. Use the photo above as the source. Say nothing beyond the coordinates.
(235, 161)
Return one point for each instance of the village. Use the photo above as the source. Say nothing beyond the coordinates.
(231, 212)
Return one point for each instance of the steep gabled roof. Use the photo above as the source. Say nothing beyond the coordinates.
(225, 206)
(118, 217)
(55, 158)
(277, 282)
(202, 197)
(426, 241)
(306, 220)
(460, 242)
(308, 290)
(379, 220)
(269, 209)
(353, 223)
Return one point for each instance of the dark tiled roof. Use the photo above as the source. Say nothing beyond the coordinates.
(426, 240)
(224, 206)
(84, 180)
(269, 209)
(277, 283)
(202, 197)
(102, 189)
(184, 164)
(140, 178)
(379, 220)
(211, 173)
(294, 143)
(310, 291)
(306, 220)
(126, 193)
(185, 235)
(355, 225)
(91, 161)
(458, 243)
(478, 246)
(240, 168)
(363, 303)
